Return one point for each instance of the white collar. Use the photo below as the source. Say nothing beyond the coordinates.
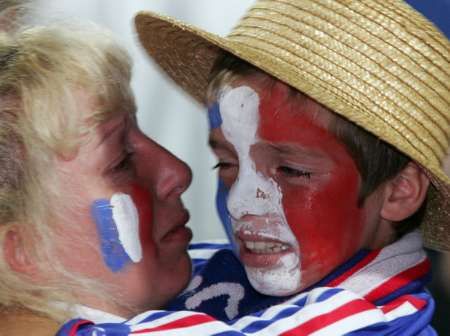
(94, 315)
(78, 311)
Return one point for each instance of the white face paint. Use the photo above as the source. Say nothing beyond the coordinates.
(255, 201)
(126, 217)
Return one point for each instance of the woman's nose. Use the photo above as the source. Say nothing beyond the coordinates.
(166, 175)
(174, 176)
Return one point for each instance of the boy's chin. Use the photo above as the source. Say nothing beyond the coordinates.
(279, 281)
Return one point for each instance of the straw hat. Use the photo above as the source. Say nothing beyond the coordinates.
(379, 63)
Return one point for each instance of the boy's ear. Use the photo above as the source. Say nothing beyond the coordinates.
(404, 193)
(16, 254)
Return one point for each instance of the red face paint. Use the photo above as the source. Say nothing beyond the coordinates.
(143, 202)
(320, 206)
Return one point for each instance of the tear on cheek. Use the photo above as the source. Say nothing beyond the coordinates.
(117, 222)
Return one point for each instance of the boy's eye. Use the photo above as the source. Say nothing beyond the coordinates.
(292, 172)
(224, 165)
(227, 172)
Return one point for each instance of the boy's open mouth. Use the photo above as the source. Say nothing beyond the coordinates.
(261, 247)
(261, 252)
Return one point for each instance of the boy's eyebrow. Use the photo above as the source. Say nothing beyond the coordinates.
(218, 145)
(214, 143)
(291, 149)
(283, 148)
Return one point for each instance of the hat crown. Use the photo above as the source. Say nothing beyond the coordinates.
(378, 63)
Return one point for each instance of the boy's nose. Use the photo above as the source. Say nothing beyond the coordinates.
(248, 196)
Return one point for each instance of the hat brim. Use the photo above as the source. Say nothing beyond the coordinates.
(187, 54)
(194, 53)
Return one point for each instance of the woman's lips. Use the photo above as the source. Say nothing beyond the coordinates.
(180, 233)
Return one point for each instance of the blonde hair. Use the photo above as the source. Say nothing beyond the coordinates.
(41, 69)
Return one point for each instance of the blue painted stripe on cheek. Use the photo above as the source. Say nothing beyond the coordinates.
(224, 215)
(113, 252)
(214, 117)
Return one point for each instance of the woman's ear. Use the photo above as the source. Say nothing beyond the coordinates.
(404, 193)
(16, 254)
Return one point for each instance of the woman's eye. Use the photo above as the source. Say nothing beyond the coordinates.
(292, 172)
(125, 164)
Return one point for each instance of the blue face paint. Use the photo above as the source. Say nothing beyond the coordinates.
(224, 215)
(215, 121)
(113, 252)
(214, 117)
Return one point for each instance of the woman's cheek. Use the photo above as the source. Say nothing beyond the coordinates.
(143, 201)
(118, 230)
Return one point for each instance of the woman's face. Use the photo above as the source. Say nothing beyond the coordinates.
(290, 185)
(122, 220)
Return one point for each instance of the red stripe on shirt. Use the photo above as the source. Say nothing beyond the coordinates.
(78, 324)
(181, 323)
(416, 302)
(399, 280)
(324, 320)
(365, 261)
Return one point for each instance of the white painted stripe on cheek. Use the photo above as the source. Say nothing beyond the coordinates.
(126, 217)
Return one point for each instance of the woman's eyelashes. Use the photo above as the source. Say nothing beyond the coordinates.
(124, 164)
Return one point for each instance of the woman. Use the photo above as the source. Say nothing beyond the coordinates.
(90, 210)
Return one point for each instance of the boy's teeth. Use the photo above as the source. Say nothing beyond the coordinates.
(265, 247)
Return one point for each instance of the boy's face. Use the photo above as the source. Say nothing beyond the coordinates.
(291, 187)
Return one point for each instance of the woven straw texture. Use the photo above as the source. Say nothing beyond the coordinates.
(378, 63)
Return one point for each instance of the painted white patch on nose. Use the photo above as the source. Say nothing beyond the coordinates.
(126, 217)
(254, 194)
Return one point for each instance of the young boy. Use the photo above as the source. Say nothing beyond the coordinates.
(329, 119)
